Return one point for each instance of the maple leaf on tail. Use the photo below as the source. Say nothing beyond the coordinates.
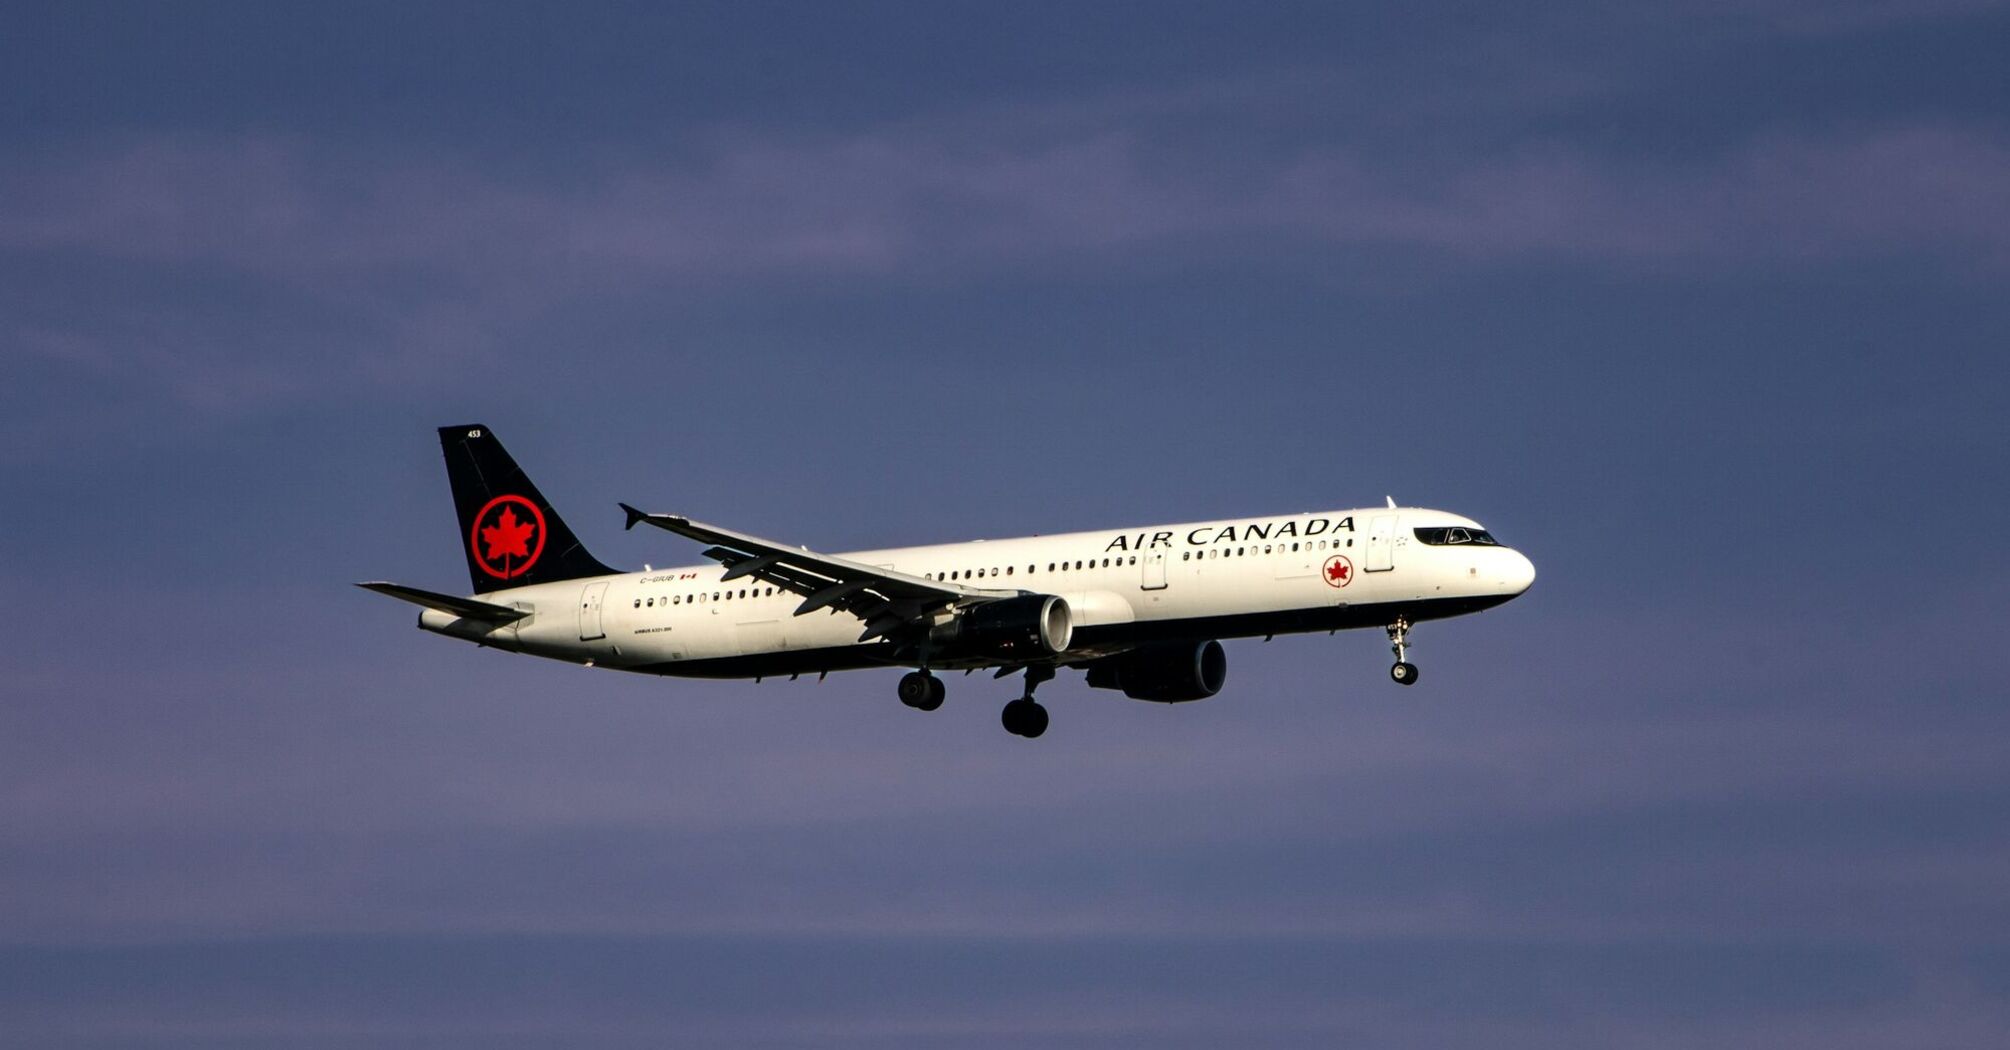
(508, 536)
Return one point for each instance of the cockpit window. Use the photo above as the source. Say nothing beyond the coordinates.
(1454, 535)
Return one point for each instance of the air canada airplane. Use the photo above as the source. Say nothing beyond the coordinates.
(1140, 610)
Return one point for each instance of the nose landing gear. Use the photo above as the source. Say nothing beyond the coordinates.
(1405, 672)
(1024, 716)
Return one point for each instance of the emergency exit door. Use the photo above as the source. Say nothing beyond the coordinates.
(1155, 571)
(589, 611)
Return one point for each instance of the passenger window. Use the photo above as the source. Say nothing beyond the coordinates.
(1008, 570)
(638, 603)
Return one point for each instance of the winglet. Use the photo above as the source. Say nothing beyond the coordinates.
(668, 522)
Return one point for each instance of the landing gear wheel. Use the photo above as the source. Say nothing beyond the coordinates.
(921, 690)
(1024, 717)
(1405, 672)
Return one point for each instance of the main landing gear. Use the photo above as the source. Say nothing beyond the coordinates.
(1405, 672)
(922, 691)
(1024, 716)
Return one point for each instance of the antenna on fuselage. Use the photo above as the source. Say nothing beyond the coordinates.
(1392, 501)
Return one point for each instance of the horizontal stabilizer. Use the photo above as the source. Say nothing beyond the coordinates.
(465, 608)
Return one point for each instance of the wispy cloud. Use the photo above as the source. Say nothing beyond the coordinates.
(905, 200)
(425, 259)
(1825, 17)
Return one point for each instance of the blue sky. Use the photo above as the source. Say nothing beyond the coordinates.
(1700, 304)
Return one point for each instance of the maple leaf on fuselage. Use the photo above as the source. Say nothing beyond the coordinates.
(508, 536)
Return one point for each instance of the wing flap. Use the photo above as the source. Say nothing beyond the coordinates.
(886, 600)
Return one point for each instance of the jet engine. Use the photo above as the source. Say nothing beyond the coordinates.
(1169, 673)
(1023, 628)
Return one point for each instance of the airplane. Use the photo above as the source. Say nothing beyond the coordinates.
(1139, 610)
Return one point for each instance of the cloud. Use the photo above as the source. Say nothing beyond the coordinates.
(1833, 17)
(1892, 192)
(229, 273)
(908, 200)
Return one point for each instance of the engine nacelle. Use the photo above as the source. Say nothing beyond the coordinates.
(1171, 673)
(1022, 628)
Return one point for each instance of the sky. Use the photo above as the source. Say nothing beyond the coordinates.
(1701, 304)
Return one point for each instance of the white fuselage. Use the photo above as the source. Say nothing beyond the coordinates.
(1218, 579)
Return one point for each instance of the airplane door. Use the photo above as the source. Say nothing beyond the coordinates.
(755, 637)
(1381, 544)
(589, 611)
(1288, 564)
(1155, 571)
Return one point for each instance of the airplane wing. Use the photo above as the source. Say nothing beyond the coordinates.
(466, 608)
(886, 600)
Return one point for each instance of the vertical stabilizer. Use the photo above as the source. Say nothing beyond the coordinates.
(511, 535)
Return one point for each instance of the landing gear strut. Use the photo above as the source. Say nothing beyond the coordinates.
(921, 690)
(1024, 716)
(1405, 672)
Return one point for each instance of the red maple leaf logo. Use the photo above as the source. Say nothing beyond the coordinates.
(508, 536)
(1335, 571)
(1339, 571)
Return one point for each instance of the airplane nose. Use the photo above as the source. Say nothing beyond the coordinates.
(1520, 573)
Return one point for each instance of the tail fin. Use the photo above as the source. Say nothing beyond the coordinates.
(511, 535)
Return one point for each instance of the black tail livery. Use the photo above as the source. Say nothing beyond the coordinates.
(512, 536)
